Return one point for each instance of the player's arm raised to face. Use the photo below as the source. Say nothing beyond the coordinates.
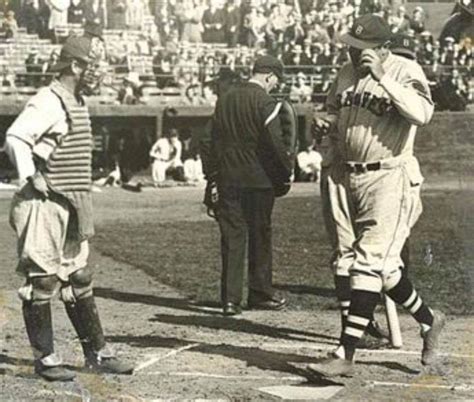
(412, 96)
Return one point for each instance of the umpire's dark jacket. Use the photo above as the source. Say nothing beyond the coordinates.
(246, 148)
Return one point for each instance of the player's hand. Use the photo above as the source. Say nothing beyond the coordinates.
(321, 126)
(39, 184)
(370, 60)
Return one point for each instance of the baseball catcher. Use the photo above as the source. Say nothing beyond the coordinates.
(50, 144)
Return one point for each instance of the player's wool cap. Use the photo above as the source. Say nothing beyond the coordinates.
(367, 32)
(75, 47)
(403, 45)
(268, 64)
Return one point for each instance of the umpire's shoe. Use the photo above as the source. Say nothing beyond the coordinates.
(332, 367)
(273, 303)
(430, 338)
(231, 309)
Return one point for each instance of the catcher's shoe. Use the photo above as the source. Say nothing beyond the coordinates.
(333, 367)
(430, 338)
(53, 373)
(104, 363)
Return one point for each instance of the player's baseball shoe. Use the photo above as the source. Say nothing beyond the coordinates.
(375, 330)
(333, 367)
(430, 338)
(231, 309)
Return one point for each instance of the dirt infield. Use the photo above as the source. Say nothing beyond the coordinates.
(190, 351)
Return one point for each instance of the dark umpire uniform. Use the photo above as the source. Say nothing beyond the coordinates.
(248, 160)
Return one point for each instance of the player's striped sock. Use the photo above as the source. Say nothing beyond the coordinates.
(361, 311)
(343, 294)
(403, 293)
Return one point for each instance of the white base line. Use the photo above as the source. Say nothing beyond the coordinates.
(318, 346)
(156, 359)
(459, 387)
(223, 376)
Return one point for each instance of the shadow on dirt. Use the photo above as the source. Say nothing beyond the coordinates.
(170, 302)
(252, 356)
(306, 290)
(245, 326)
(392, 366)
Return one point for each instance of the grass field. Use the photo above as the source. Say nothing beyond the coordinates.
(185, 254)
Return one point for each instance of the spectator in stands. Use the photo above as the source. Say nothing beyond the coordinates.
(9, 25)
(166, 158)
(400, 22)
(465, 52)
(32, 18)
(300, 91)
(208, 96)
(417, 21)
(309, 164)
(117, 14)
(130, 92)
(58, 15)
(34, 68)
(253, 28)
(192, 21)
(449, 52)
(94, 12)
(232, 23)
(76, 12)
(8, 78)
(318, 34)
(371, 7)
(213, 20)
(135, 13)
(294, 31)
(193, 95)
(276, 26)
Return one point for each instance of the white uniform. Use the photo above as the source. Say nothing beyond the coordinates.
(167, 155)
(373, 184)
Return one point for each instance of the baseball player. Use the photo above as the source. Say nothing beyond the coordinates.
(50, 144)
(374, 108)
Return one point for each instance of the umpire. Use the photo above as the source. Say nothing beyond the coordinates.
(247, 160)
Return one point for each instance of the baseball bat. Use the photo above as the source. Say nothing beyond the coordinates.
(393, 323)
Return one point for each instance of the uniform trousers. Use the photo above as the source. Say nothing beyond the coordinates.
(245, 218)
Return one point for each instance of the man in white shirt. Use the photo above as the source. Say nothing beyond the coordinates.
(166, 154)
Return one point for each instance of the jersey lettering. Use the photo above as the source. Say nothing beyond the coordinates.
(375, 104)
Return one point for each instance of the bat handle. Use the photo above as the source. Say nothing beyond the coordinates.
(393, 323)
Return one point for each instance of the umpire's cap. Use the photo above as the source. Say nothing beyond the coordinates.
(403, 45)
(268, 64)
(367, 32)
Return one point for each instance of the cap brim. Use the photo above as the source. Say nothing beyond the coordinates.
(349, 40)
(403, 52)
(60, 65)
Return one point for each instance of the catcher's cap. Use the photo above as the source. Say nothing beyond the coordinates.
(75, 48)
(367, 32)
(268, 64)
(403, 45)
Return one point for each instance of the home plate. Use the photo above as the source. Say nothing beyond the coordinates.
(293, 392)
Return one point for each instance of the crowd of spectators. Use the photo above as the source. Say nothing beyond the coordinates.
(188, 41)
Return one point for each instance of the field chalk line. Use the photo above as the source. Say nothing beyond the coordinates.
(458, 387)
(319, 346)
(158, 358)
(454, 387)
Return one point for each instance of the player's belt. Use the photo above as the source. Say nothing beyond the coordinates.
(354, 167)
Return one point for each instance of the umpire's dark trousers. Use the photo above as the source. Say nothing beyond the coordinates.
(245, 214)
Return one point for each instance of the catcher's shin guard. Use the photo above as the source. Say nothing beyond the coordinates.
(85, 319)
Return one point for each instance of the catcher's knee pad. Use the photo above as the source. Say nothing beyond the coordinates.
(80, 284)
(39, 289)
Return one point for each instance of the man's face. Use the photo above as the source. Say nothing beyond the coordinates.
(272, 82)
(356, 55)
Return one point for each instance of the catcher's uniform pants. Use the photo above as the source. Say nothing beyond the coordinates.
(43, 227)
(369, 216)
(245, 215)
(159, 169)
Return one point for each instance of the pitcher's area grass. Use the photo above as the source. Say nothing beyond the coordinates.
(185, 254)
